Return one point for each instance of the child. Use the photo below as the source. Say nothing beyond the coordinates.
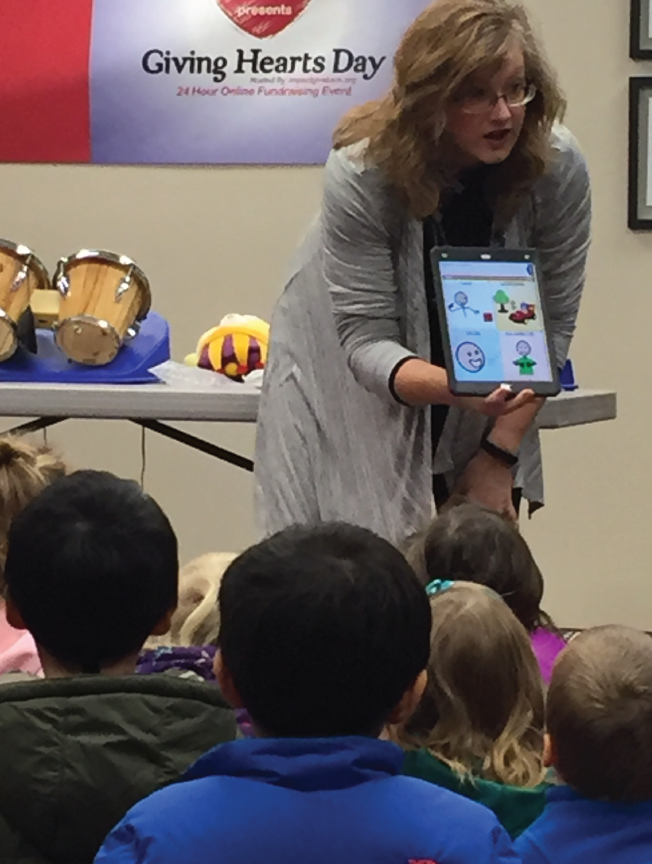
(25, 470)
(324, 637)
(91, 571)
(475, 544)
(196, 618)
(189, 647)
(479, 728)
(190, 642)
(599, 722)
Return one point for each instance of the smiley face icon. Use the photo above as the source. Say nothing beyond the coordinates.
(470, 356)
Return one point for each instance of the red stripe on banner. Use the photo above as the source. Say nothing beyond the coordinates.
(44, 80)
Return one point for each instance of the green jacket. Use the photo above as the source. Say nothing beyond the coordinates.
(516, 808)
(77, 753)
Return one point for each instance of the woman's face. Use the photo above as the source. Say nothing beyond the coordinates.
(488, 136)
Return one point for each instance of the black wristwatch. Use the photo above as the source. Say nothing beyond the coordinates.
(505, 457)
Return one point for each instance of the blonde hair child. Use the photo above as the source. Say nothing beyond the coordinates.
(25, 471)
(189, 648)
(479, 727)
(599, 740)
(196, 620)
(469, 542)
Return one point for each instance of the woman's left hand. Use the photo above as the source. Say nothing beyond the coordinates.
(490, 483)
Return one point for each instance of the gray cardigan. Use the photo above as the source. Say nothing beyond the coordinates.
(332, 442)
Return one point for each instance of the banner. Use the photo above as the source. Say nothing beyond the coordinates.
(44, 92)
(192, 81)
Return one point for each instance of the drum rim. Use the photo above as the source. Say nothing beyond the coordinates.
(22, 253)
(88, 319)
(112, 258)
(14, 329)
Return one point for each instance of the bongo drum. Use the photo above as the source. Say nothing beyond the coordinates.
(103, 297)
(21, 273)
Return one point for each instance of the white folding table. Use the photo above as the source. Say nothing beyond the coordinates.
(220, 401)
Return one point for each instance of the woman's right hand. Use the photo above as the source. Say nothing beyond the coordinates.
(418, 382)
(501, 401)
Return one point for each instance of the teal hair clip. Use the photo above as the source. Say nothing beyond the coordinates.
(438, 585)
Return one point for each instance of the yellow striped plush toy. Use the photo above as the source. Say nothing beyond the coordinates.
(236, 347)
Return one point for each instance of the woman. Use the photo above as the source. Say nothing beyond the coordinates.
(465, 150)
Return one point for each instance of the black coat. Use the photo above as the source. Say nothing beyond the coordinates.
(77, 753)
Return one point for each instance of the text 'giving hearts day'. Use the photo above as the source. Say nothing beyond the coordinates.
(254, 62)
(260, 20)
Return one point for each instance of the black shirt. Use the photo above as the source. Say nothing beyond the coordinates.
(465, 218)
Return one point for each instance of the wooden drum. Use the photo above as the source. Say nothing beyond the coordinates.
(21, 273)
(103, 297)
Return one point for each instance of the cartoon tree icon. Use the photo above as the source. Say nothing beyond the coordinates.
(500, 299)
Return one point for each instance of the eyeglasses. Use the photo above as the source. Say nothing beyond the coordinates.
(478, 101)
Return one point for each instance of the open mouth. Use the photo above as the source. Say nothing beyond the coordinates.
(499, 136)
(475, 364)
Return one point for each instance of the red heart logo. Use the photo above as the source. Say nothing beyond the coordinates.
(262, 18)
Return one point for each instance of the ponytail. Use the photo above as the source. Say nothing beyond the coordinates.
(25, 470)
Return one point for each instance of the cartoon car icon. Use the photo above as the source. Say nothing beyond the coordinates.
(527, 312)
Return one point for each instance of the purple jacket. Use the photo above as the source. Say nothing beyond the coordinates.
(546, 646)
(188, 661)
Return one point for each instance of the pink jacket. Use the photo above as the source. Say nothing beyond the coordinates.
(17, 649)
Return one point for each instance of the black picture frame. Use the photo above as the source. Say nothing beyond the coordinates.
(640, 38)
(639, 209)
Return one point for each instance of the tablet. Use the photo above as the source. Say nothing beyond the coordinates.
(493, 321)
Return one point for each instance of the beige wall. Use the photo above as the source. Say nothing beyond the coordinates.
(217, 240)
(594, 539)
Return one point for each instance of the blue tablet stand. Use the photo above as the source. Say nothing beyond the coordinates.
(567, 377)
(50, 365)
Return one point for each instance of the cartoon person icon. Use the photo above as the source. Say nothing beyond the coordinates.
(470, 356)
(524, 362)
(461, 304)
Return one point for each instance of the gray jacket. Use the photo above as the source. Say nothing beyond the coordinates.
(332, 442)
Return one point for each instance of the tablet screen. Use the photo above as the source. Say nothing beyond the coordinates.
(495, 323)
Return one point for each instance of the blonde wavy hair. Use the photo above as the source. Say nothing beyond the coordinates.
(483, 709)
(25, 471)
(196, 620)
(449, 42)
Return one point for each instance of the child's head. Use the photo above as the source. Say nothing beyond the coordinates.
(25, 471)
(599, 714)
(482, 710)
(324, 631)
(91, 570)
(475, 544)
(196, 620)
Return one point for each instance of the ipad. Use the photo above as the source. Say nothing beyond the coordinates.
(493, 321)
